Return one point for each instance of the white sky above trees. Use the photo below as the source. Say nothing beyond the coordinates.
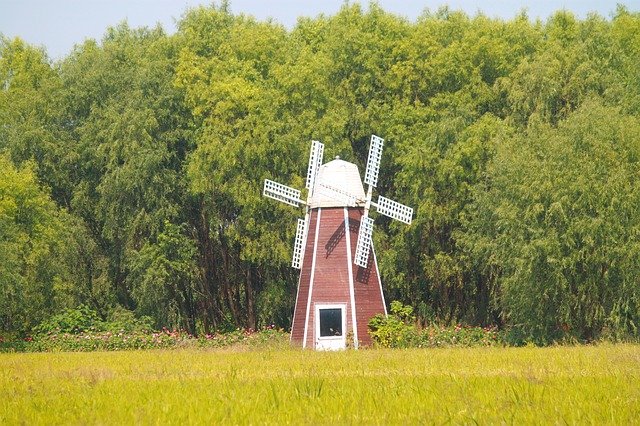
(58, 25)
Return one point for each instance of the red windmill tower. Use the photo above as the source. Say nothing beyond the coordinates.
(339, 289)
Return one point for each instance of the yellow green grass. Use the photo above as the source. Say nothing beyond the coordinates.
(594, 384)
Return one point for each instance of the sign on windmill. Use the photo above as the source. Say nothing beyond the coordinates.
(339, 288)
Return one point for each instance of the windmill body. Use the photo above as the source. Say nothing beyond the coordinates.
(339, 289)
(336, 298)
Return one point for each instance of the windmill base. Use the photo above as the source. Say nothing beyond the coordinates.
(336, 298)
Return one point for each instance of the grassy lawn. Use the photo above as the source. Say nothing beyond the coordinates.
(594, 384)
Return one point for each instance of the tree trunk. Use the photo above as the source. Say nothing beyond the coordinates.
(208, 307)
(250, 300)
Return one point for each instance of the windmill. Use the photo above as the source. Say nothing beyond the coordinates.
(339, 288)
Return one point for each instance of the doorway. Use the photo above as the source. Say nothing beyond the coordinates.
(331, 327)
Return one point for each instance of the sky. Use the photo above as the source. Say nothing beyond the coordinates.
(59, 25)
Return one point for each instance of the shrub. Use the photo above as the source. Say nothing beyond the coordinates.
(458, 335)
(395, 330)
(72, 321)
(105, 340)
(399, 330)
(124, 320)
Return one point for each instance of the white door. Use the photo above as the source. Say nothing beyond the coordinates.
(331, 327)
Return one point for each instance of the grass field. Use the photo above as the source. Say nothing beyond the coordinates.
(594, 384)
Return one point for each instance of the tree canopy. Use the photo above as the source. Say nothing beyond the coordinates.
(131, 170)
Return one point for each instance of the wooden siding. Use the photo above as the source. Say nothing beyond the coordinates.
(300, 311)
(368, 297)
(331, 277)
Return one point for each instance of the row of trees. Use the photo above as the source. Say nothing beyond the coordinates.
(131, 170)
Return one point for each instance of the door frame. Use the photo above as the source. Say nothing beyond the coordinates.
(330, 342)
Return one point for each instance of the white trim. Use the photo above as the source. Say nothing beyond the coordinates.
(354, 322)
(295, 309)
(304, 247)
(342, 339)
(375, 260)
(313, 271)
(293, 320)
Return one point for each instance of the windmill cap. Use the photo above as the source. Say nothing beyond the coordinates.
(336, 183)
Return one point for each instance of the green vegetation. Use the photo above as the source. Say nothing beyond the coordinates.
(592, 385)
(120, 340)
(400, 330)
(81, 330)
(131, 170)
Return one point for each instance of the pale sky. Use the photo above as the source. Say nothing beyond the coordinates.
(59, 24)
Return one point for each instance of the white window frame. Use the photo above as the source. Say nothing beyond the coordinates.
(336, 342)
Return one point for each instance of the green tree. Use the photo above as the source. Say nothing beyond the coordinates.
(32, 236)
(164, 277)
(30, 108)
(227, 84)
(555, 223)
(131, 134)
(153, 149)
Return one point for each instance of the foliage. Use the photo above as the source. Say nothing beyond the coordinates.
(135, 335)
(32, 237)
(130, 171)
(400, 330)
(124, 321)
(85, 320)
(71, 321)
(165, 277)
(556, 223)
(396, 329)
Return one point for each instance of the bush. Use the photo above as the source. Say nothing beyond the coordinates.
(395, 330)
(105, 340)
(71, 321)
(435, 336)
(123, 320)
(81, 329)
(399, 330)
(85, 320)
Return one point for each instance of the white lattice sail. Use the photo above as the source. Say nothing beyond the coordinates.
(282, 193)
(373, 161)
(298, 245)
(363, 247)
(394, 210)
(315, 161)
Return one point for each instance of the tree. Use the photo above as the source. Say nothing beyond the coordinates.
(32, 236)
(555, 224)
(227, 83)
(164, 279)
(131, 136)
(30, 108)
(154, 147)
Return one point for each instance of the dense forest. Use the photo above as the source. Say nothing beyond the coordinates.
(131, 170)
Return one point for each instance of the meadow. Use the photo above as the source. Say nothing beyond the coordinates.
(581, 384)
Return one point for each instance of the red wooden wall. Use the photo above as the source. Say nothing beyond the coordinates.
(331, 277)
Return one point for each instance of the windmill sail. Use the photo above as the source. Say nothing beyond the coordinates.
(373, 162)
(315, 161)
(298, 245)
(282, 193)
(394, 210)
(363, 247)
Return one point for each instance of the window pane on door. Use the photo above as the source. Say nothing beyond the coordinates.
(330, 322)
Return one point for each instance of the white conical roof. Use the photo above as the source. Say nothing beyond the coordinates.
(336, 182)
